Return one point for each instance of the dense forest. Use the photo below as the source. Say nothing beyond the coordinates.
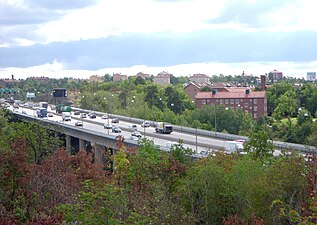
(42, 184)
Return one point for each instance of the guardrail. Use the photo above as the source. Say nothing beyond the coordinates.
(218, 135)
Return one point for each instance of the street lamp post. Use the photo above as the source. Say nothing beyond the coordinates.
(172, 105)
(181, 117)
(196, 139)
(132, 101)
(215, 122)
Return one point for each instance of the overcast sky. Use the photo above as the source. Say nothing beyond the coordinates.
(79, 38)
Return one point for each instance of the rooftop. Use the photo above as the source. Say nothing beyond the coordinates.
(209, 95)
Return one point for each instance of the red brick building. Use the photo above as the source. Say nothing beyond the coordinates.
(143, 75)
(275, 76)
(119, 77)
(163, 78)
(253, 102)
(192, 88)
(199, 78)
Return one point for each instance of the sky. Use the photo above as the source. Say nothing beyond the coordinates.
(80, 38)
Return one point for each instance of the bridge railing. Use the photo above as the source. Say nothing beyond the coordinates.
(213, 134)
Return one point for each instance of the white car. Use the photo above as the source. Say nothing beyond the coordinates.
(134, 138)
(79, 123)
(145, 124)
(134, 126)
(104, 117)
(136, 134)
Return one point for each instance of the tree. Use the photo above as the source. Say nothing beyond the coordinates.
(259, 146)
(40, 141)
(107, 78)
(139, 80)
(286, 105)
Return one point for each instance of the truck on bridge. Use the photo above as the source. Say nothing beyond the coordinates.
(63, 108)
(43, 105)
(163, 128)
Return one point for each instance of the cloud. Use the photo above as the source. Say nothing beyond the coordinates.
(56, 69)
(60, 4)
(161, 49)
(249, 13)
(20, 20)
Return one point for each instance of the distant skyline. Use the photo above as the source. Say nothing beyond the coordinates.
(81, 38)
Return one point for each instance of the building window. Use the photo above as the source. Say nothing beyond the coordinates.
(227, 101)
(237, 101)
(255, 101)
(207, 100)
(246, 105)
(204, 102)
(255, 108)
(221, 101)
(231, 101)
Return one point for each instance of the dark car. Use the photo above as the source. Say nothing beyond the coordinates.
(92, 115)
(107, 126)
(77, 113)
(116, 129)
(115, 120)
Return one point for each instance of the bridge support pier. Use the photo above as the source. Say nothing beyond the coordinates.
(98, 153)
(81, 144)
(68, 140)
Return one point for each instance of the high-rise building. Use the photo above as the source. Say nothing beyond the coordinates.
(311, 76)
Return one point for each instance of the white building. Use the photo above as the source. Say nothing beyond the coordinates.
(311, 76)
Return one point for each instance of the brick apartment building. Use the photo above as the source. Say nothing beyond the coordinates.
(275, 76)
(41, 79)
(192, 88)
(253, 102)
(95, 78)
(143, 75)
(163, 78)
(119, 77)
(7, 83)
(199, 78)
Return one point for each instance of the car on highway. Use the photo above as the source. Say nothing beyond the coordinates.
(134, 138)
(104, 117)
(134, 126)
(83, 115)
(145, 124)
(50, 114)
(115, 120)
(107, 126)
(92, 115)
(77, 113)
(23, 111)
(116, 129)
(79, 123)
(136, 134)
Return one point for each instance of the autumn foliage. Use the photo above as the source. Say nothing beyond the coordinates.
(31, 191)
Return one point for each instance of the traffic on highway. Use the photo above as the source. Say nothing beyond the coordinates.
(111, 125)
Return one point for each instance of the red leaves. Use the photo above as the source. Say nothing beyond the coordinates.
(58, 178)
(38, 188)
